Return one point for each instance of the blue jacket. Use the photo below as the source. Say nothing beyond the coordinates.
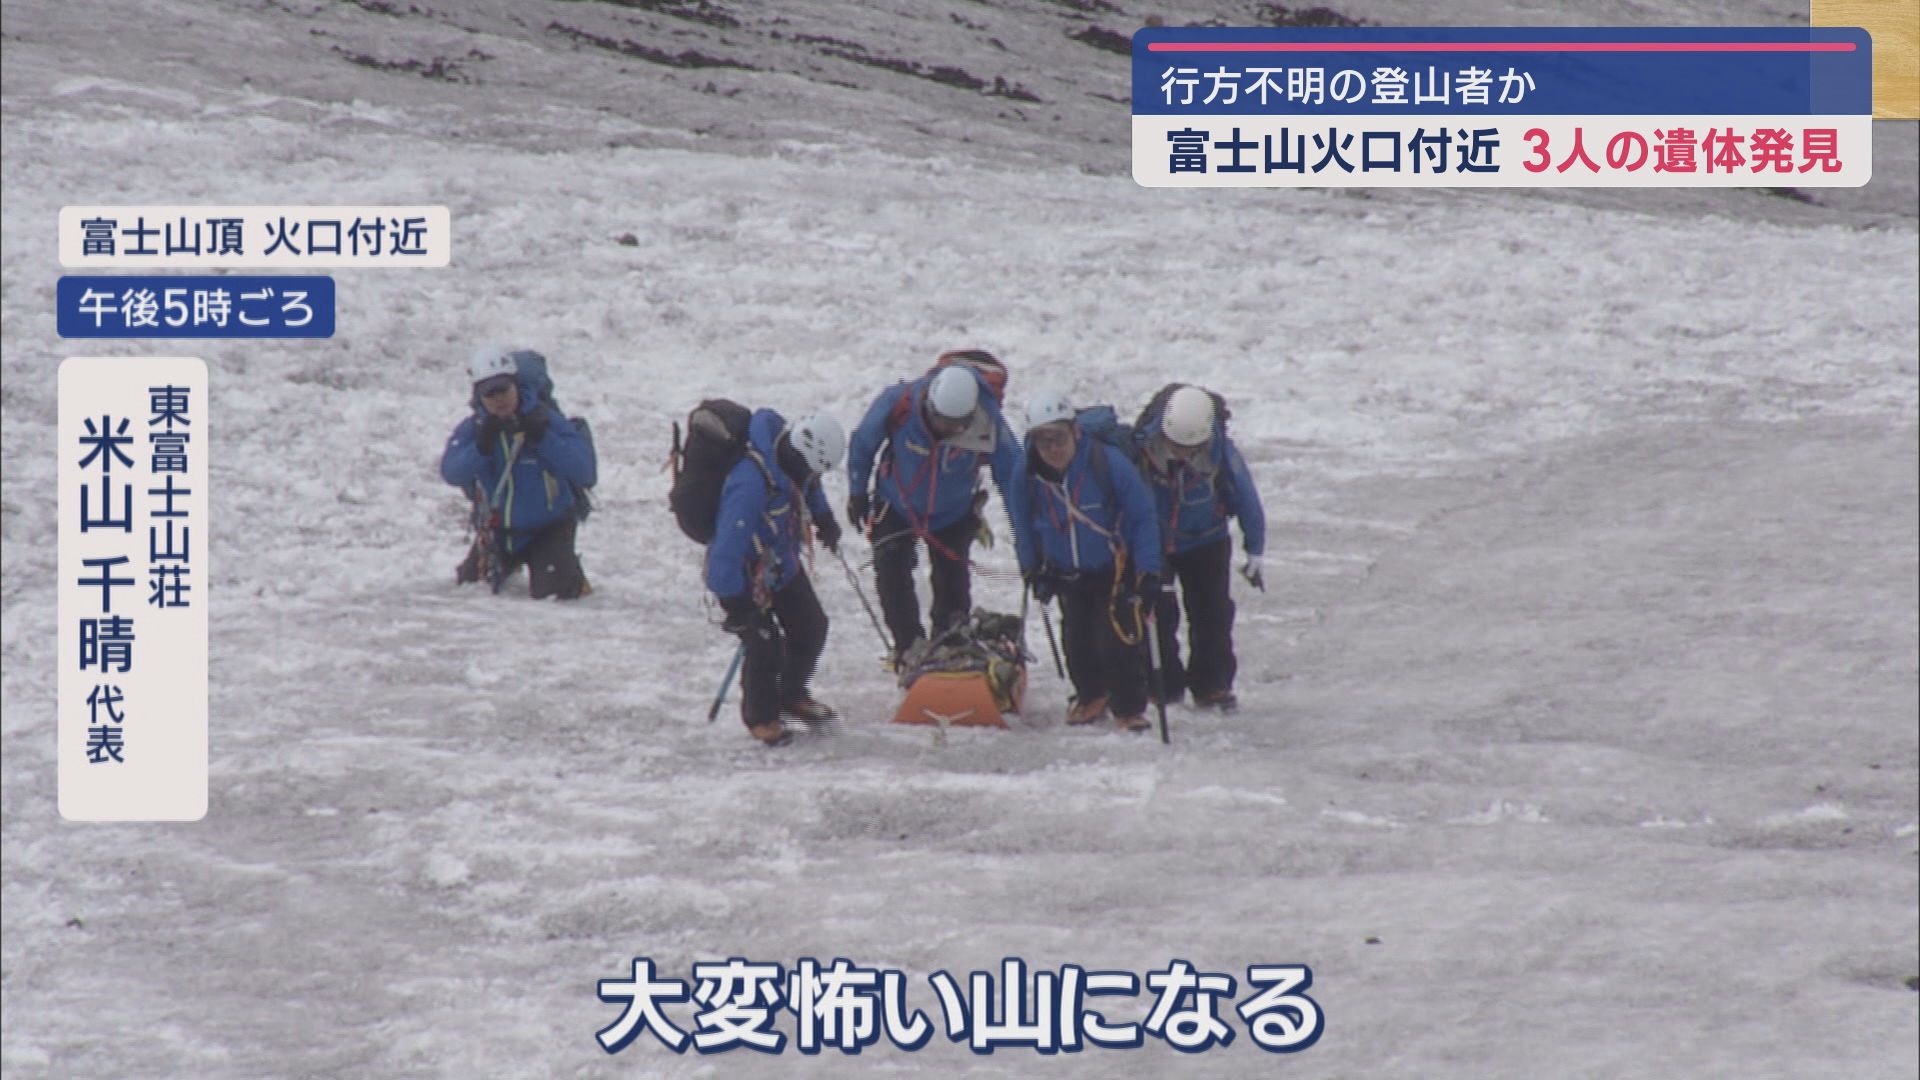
(540, 490)
(759, 531)
(1072, 526)
(1193, 502)
(929, 483)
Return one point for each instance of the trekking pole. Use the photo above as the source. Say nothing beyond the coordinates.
(854, 580)
(727, 682)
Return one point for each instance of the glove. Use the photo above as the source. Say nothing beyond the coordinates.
(1043, 585)
(744, 617)
(1147, 586)
(829, 531)
(486, 434)
(982, 532)
(534, 425)
(1252, 573)
(857, 507)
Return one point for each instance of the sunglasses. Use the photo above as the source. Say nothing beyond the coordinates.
(496, 386)
(1050, 439)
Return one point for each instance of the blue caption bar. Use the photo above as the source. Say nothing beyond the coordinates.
(1536, 71)
(213, 306)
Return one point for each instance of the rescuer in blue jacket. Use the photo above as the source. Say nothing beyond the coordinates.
(519, 459)
(922, 445)
(1200, 483)
(1084, 531)
(755, 567)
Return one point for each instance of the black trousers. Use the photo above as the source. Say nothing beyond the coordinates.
(553, 567)
(1205, 575)
(782, 654)
(895, 554)
(1099, 661)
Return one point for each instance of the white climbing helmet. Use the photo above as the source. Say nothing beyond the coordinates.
(821, 440)
(1048, 407)
(490, 360)
(954, 393)
(1188, 418)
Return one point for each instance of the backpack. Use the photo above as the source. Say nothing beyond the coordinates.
(1102, 424)
(983, 363)
(532, 370)
(716, 440)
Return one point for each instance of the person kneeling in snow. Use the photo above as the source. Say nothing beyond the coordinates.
(1080, 513)
(1199, 483)
(519, 460)
(754, 567)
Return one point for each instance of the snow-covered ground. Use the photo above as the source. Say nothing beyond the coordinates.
(1579, 735)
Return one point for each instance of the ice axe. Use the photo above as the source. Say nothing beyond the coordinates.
(726, 683)
(1053, 645)
(1157, 674)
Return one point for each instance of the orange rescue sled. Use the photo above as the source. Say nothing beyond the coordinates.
(973, 675)
(957, 699)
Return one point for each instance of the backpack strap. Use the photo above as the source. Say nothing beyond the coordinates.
(897, 415)
(766, 473)
(506, 471)
(1103, 476)
(1103, 472)
(902, 409)
(1103, 479)
(759, 575)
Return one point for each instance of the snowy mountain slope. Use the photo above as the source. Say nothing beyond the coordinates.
(1585, 683)
(1027, 83)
